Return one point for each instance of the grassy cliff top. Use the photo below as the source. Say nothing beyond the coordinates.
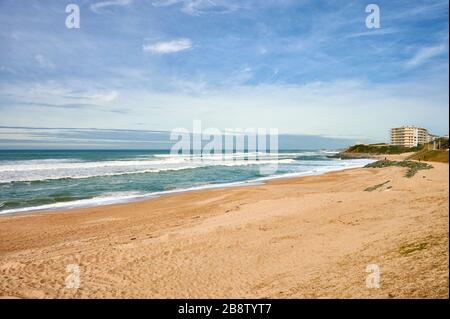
(431, 155)
(381, 149)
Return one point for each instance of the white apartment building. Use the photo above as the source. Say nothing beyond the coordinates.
(432, 137)
(409, 136)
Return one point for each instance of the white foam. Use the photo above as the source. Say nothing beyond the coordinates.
(50, 171)
(122, 197)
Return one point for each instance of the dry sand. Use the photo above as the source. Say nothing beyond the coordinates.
(296, 238)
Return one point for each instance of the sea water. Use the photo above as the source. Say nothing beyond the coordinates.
(56, 179)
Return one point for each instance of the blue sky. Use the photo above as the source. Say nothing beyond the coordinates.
(305, 67)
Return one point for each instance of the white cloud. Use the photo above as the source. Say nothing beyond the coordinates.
(425, 54)
(55, 92)
(105, 97)
(428, 9)
(350, 106)
(196, 7)
(383, 31)
(43, 62)
(96, 7)
(168, 46)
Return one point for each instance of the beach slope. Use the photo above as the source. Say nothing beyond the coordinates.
(294, 238)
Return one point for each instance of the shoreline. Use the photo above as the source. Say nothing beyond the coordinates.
(66, 206)
(305, 237)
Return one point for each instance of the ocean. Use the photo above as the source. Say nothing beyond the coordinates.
(55, 179)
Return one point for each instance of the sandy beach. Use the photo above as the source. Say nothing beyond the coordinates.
(309, 237)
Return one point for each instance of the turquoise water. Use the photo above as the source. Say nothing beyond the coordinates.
(44, 180)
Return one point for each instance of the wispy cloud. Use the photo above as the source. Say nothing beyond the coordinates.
(57, 90)
(43, 62)
(81, 138)
(197, 7)
(413, 102)
(168, 46)
(425, 54)
(105, 97)
(382, 31)
(98, 6)
(75, 106)
(426, 9)
(22, 137)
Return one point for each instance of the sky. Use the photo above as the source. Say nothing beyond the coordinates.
(307, 67)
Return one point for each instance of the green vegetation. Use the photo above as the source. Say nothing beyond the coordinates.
(430, 156)
(413, 167)
(444, 143)
(421, 152)
(381, 149)
(427, 153)
(441, 143)
(409, 249)
(372, 188)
